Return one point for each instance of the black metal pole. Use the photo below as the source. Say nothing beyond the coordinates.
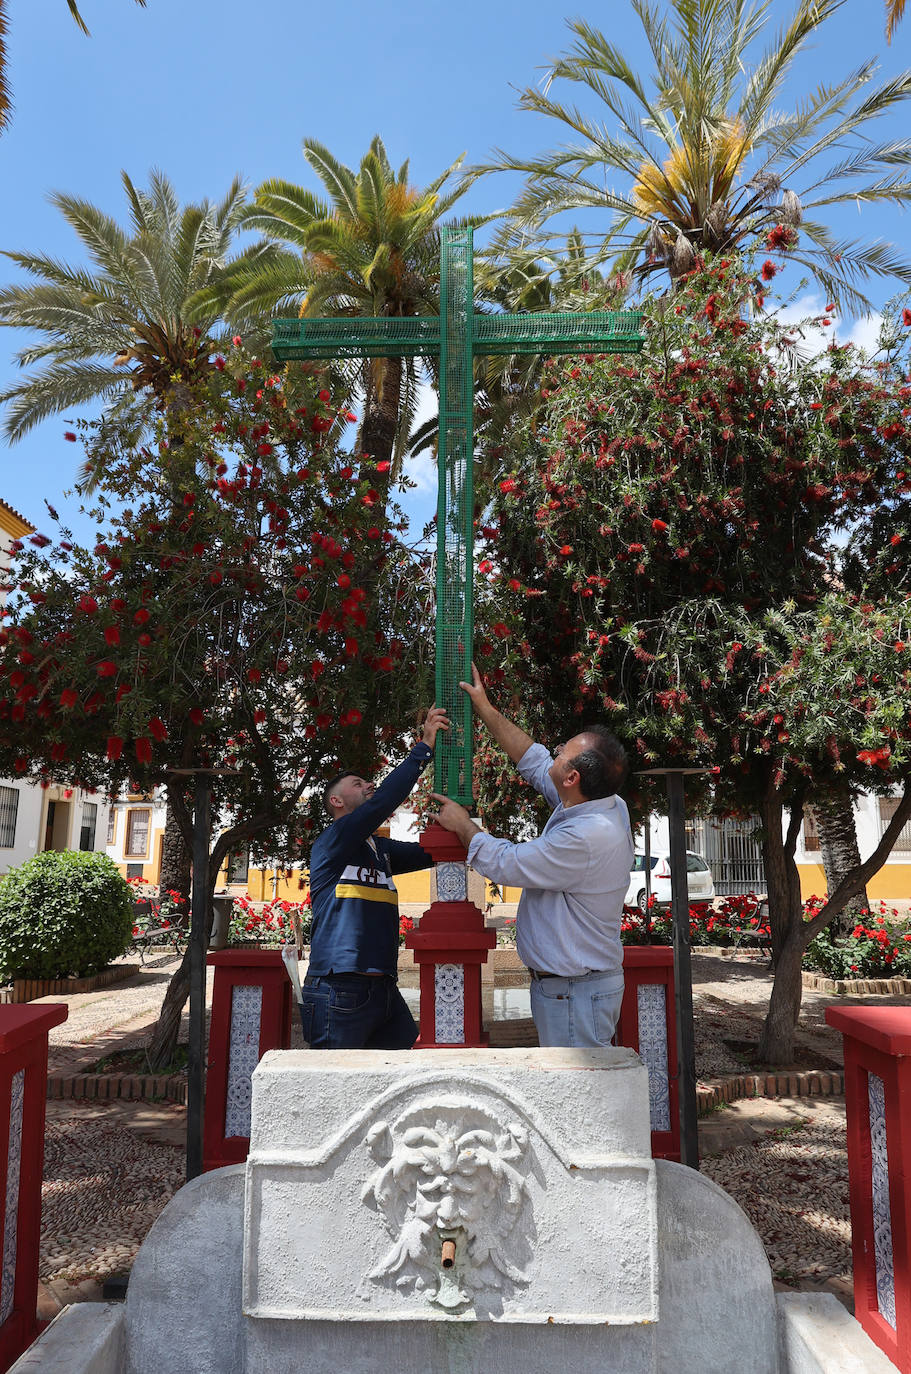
(683, 973)
(196, 1057)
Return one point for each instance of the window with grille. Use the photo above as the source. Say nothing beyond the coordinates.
(9, 808)
(239, 866)
(810, 831)
(137, 843)
(89, 824)
(112, 825)
(134, 871)
(887, 809)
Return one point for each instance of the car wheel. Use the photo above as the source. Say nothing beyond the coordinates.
(642, 902)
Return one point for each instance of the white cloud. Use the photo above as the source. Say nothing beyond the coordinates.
(816, 338)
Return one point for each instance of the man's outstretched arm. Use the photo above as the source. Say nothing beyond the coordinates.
(511, 739)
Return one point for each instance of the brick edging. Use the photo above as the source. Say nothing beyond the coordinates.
(804, 1083)
(27, 989)
(858, 987)
(108, 1087)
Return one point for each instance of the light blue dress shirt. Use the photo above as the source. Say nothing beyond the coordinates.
(573, 877)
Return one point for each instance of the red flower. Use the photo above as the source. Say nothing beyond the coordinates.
(196, 715)
(141, 617)
(768, 270)
(264, 450)
(115, 748)
(344, 581)
(351, 647)
(68, 697)
(501, 630)
(143, 750)
(112, 634)
(157, 727)
(189, 498)
(354, 717)
(106, 668)
(906, 317)
(384, 466)
(566, 550)
(237, 341)
(324, 396)
(88, 605)
(69, 436)
(220, 363)
(659, 526)
(253, 675)
(485, 565)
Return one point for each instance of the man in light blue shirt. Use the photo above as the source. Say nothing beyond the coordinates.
(573, 877)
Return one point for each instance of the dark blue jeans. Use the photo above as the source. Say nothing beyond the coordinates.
(351, 1011)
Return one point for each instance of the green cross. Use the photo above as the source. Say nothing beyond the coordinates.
(456, 336)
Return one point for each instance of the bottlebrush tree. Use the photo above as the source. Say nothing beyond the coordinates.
(249, 606)
(661, 558)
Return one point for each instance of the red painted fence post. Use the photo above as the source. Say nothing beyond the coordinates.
(877, 1042)
(648, 1025)
(251, 1013)
(23, 1093)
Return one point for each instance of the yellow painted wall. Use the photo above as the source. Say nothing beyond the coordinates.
(412, 887)
(891, 884)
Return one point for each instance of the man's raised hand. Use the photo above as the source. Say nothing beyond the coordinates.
(475, 690)
(436, 720)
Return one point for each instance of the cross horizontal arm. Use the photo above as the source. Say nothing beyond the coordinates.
(417, 336)
(600, 331)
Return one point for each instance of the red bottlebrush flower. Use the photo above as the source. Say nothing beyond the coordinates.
(509, 485)
(123, 690)
(384, 664)
(282, 665)
(782, 236)
(259, 716)
(659, 526)
(143, 750)
(157, 727)
(354, 717)
(40, 541)
(303, 474)
(373, 532)
(906, 317)
(485, 566)
(145, 640)
(220, 363)
(501, 630)
(107, 668)
(384, 466)
(112, 634)
(189, 498)
(768, 270)
(264, 450)
(141, 617)
(254, 675)
(237, 341)
(566, 550)
(196, 716)
(830, 307)
(323, 721)
(351, 648)
(88, 605)
(68, 697)
(346, 473)
(325, 397)
(115, 748)
(118, 604)
(351, 417)
(216, 578)
(899, 646)
(69, 436)
(896, 539)
(344, 581)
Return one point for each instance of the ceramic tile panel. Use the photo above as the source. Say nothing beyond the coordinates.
(652, 1009)
(449, 1001)
(882, 1214)
(243, 1057)
(452, 882)
(11, 1214)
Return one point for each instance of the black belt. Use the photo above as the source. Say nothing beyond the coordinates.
(538, 975)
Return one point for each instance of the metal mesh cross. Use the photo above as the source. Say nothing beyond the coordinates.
(456, 336)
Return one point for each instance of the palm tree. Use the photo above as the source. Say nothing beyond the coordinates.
(371, 249)
(895, 9)
(708, 161)
(6, 107)
(122, 326)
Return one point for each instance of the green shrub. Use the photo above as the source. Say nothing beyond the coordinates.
(63, 914)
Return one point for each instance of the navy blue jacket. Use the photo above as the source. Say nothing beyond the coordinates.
(354, 904)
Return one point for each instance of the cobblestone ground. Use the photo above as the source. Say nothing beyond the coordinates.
(111, 1168)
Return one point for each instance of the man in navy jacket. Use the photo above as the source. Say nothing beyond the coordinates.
(350, 997)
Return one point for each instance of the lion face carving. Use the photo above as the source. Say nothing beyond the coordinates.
(438, 1178)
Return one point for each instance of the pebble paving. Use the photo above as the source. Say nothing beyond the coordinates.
(104, 1186)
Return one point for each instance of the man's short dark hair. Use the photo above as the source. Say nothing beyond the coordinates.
(602, 767)
(333, 783)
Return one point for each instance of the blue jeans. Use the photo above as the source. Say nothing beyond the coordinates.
(581, 1012)
(352, 1011)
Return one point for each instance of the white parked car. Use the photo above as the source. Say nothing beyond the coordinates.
(699, 880)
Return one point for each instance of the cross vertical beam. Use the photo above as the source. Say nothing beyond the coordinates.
(455, 515)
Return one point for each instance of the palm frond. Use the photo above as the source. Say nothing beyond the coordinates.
(338, 180)
(53, 390)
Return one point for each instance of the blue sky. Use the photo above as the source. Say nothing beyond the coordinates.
(207, 88)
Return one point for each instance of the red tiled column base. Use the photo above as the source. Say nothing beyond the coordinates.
(653, 964)
(877, 1040)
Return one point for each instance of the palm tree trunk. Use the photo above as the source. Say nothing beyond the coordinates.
(175, 864)
(376, 440)
(834, 813)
